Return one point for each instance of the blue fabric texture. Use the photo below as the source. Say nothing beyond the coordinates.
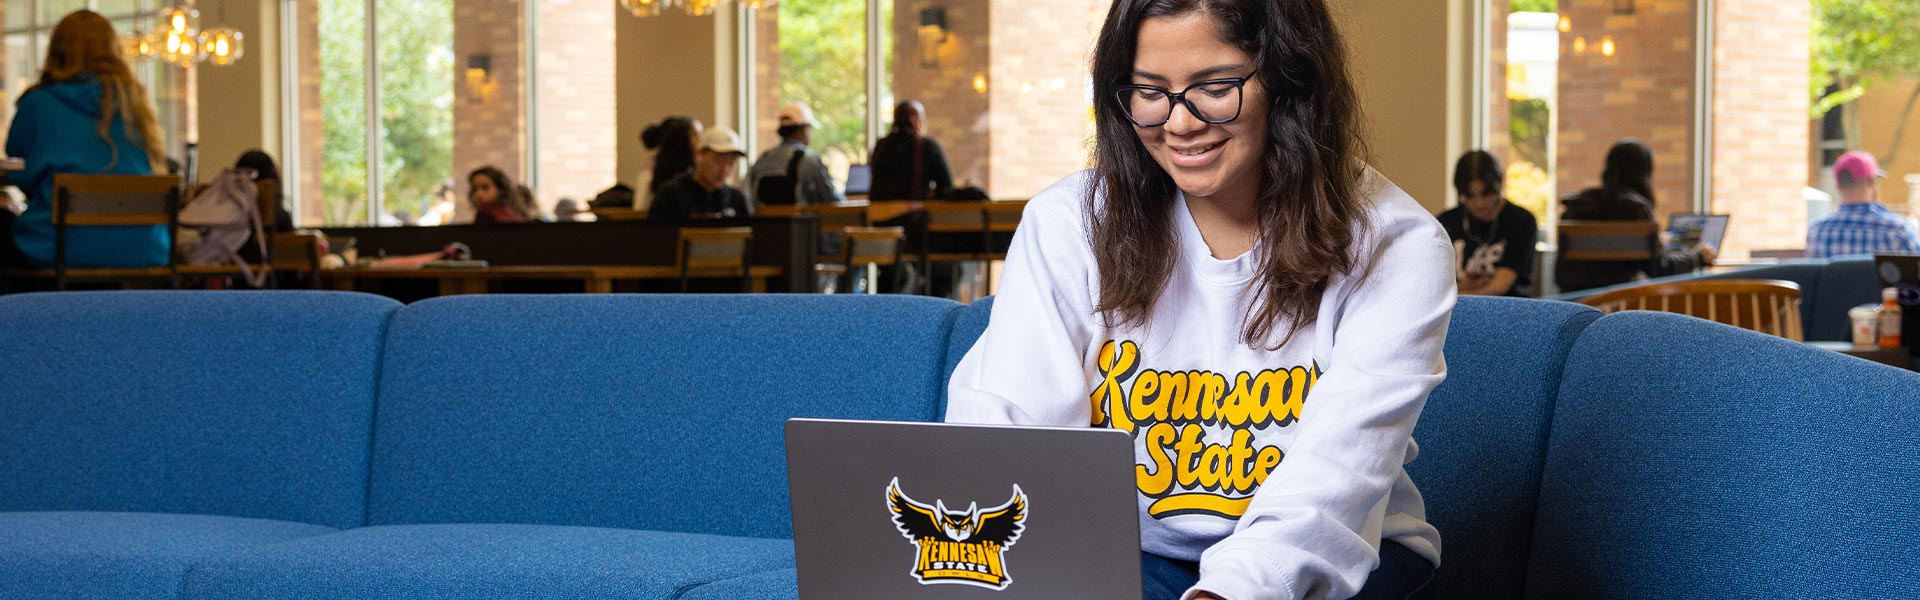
(1690, 458)
(106, 556)
(242, 404)
(55, 130)
(647, 412)
(1483, 437)
(473, 562)
(967, 329)
(1846, 282)
(769, 585)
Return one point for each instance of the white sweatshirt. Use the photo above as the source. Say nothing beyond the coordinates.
(1283, 498)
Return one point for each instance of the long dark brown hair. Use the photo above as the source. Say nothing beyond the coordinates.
(84, 44)
(1310, 202)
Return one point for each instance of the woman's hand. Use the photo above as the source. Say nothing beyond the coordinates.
(1707, 255)
(1205, 596)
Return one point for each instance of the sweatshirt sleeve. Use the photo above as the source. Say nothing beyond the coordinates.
(1313, 530)
(1027, 368)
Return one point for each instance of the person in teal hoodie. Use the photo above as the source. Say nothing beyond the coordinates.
(86, 115)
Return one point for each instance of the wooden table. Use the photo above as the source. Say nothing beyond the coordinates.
(479, 280)
(1898, 357)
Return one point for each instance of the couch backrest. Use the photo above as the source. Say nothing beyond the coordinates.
(1483, 437)
(660, 412)
(245, 404)
(1846, 282)
(1694, 459)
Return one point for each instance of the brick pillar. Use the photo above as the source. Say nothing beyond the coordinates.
(1760, 135)
(766, 78)
(1041, 55)
(577, 139)
(313, 210)
(1499, 143)
(957, 115)
(489, 127)
(1645, 91)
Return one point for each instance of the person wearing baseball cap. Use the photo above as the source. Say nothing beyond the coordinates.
(704, 192)
(1861, 224)
(790, 173)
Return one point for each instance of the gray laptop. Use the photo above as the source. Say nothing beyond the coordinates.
(928, 510)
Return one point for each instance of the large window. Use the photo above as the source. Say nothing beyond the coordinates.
(23, 46)
(1004, 84)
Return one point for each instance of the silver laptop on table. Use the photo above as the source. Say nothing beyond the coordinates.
(938, 511)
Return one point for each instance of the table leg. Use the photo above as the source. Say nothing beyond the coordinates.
(598, 285)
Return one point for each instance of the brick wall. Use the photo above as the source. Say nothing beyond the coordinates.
(313, 210)
(766, 77)
(1499, 141)
(1760, 135)
(1041, 94)
(489, 128)
(957, 115)
(577, 134)
(1645, 91)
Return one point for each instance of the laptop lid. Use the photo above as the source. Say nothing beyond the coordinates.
(938, 511)
(859, 179)
(1689, 230)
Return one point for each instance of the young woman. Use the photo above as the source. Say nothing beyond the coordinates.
(1493, 238)
(908, 165)
(1625, 194)
(494, 197)
(1233, 285)
(87, 114)
(675, 143)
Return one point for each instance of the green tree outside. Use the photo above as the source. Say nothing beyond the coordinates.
(823, 62)
(1861, 44)
(416, 105)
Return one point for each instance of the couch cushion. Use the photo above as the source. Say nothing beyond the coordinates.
(1483, 437)
(783, 584)
(245, 404)
(1695, 459)
(641, 412)
(967, 329)
(1848, 281)
(120, 555)
(485, 561)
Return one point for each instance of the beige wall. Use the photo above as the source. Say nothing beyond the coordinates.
(239, 105)
(1880, 112)
(575, 102)
(666, 66)
(1409, 61)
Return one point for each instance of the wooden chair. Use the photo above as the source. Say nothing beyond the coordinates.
(109, 201)
(716, 252)
(1765, 305)
(1586, 241)
(298, 252)
(834, 219)
(878, 246)
(952, 218)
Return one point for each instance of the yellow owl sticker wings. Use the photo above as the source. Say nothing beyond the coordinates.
(963, 547)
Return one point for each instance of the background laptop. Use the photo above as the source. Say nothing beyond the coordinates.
(1690, 230)
(859, 179)
(856, 485)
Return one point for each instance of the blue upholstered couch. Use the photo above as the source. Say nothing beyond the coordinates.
(318, 445)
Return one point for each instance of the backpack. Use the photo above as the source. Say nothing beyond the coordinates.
(783, 188)
(225, 215)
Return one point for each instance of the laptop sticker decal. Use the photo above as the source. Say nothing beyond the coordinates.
(960, 547)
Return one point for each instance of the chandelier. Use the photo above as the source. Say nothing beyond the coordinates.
(649, 8)
(180, 42)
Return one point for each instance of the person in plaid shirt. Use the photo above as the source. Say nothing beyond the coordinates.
(1862, 225)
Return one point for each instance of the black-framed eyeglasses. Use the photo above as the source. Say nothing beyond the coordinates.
(1214, 101)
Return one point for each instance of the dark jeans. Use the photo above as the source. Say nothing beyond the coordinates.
(1402, 575)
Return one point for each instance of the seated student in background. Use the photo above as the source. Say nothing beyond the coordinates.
(87, 114)
(494, 197)
(1861, 225)
(908, 165)
(792, 173)
(705, 192)
(1493, 238)
(1625, 194)
(674, 143)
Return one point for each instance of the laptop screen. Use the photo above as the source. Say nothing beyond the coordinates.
(1691, 230)
(859, 179)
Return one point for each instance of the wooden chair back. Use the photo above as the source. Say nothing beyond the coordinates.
(715, 251)
(1768, 306)
(1608, 240)
(113, 201)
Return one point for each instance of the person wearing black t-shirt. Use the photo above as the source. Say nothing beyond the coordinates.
(704, 192)
(1493, 238)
